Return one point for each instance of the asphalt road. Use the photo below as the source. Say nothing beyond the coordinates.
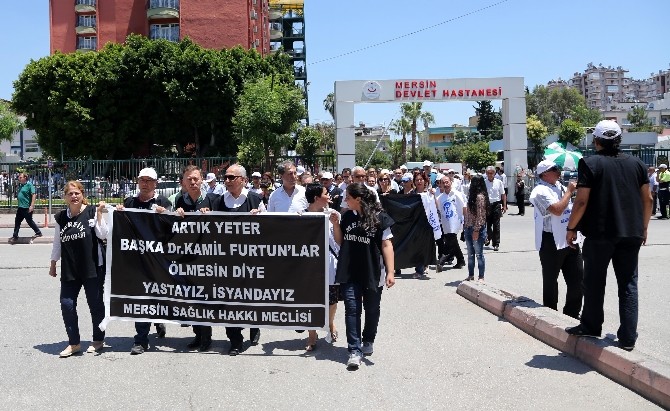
(434, 350)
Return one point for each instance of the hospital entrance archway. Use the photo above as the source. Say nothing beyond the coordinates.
(508, 89)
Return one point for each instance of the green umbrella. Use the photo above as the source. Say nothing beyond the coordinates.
(565, 155)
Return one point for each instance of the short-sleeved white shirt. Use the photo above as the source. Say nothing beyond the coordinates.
(280, 201)
(495, 189)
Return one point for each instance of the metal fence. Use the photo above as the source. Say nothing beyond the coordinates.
(113, 180)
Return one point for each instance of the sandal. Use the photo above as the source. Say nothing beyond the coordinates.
(310, 347)
(333, 336)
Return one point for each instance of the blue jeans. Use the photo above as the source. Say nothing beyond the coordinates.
(69, 291)
(475, 248)
(356, 298)
(597, 254)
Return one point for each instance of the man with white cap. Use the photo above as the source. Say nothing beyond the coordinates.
(612, 209)
(552, 207)
(255, 186)
(334, 192)
(663, 180)
(213, 187)
(428, 170)
(146, 199)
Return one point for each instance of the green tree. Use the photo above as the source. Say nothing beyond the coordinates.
(571, 132)
(555, 106)
(329, 104)
(587, 117)
(637, 117)
(396, 152)
(9, 122)
(413, 112)
(268, 113)
(364, 155)
(537, 134)
(490, 122)
(426, 153)
(478, 156)
(309, 144)
(327, 131)
(402, 127)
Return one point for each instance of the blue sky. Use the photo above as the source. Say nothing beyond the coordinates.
(536, 39)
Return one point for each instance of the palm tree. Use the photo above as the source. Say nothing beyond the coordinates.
(329, 104)
(413, 113)
(402, 127)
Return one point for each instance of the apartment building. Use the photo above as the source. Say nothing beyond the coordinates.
(85, 25)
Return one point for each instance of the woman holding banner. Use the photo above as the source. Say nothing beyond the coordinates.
(78, 237)
(318, 199)
(364, 235)
(475, 226)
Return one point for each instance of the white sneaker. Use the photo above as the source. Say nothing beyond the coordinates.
(368, 348)
(354, 360)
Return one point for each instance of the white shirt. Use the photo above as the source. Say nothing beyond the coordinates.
(232, 202)
(502, 177)
(280, 201)
(495, 188)
(653, 184)
(450, 205)
(217, 189)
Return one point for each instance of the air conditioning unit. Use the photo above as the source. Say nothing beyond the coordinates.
(254, 2)
(255, 29)
(254, 15)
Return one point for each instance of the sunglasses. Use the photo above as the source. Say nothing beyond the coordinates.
(384, 179)
(230, 177)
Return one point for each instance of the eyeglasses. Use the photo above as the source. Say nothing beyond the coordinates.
(230, 177)
(360, 176)
(146, 180)
(384, 179)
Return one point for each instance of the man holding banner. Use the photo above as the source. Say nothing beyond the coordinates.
(146, 199)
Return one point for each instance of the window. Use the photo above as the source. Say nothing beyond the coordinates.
(86, 21)
(86, 2)
(87, 43)
(170, 4)
(164, 31)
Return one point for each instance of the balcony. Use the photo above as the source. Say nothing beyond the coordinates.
(168, 32)
(86, 24)
(87, 43)
(296, 34)
(163, 9)
(275, 14)
(84, 6)
(299, 73)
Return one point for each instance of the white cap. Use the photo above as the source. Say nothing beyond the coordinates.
(210, 177)
(607, 129)
(256, 174)
(403, 167)
(148, 172)
(385, 171)
(407, 177)
(433, 171)
(427, 163)
(451, 170)
(663, 166)
(327, 175)
(544, 166)
(299, 170)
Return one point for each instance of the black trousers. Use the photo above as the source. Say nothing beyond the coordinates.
(235, 337)
(452, 248)
(493, 223)
(663, 200)
(654, 202)
(24, 214)
(202, 331)
(568, 260)
(520, 203)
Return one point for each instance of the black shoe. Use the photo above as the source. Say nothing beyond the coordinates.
(626, 347)
(205, 344)
(255, 337)
(38, 235)
(195, 342)
(459, 265)
(234, 351)
(139, 349)
(495, 248)
(300, 331)
(438, 267)
(580, 331)
(487, 243)
(160, 330)
(13, 239)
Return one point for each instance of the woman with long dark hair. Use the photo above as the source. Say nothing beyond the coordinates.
(364, 235)
(475, 226)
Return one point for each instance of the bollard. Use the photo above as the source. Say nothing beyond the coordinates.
(46, 220)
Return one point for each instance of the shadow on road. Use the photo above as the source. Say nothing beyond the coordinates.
(559, 362)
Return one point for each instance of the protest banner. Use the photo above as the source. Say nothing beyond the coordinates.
(234, 269)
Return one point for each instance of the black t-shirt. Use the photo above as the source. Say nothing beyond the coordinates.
(360, 253)
(614, 208)
(134, 202)
(336, 197)
(79, 245)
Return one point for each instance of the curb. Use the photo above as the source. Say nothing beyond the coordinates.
(634, 370)
(32, 240)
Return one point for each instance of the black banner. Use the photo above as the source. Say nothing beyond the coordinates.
(265, 270)
(413, 241)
